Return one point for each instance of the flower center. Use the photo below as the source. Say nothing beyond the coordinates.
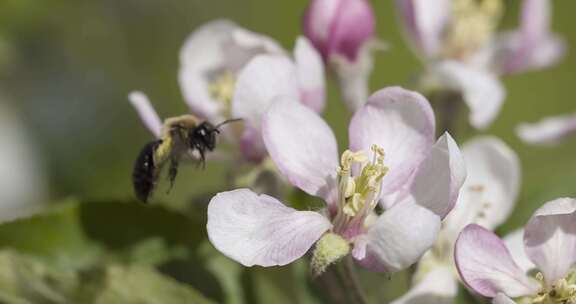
(472, 26)
(358, 195)
(221, 89)
(562, 291)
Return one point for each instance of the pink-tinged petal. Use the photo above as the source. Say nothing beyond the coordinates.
(533, 46)
(260, 81)
(515, 243)
(439, 286)
(550, 130)
(302, 146)
(424, 23)
(440, 177)
(535, 19)
(339, 26)
(252, 145)
(547, 52)
(502, 299)
(491, 188)
(513, 57)
(485, 265)
(550, 238)
(481, 90)
(402, 123)
(146, 112)
(399, 237)
(259, 230)
(310, 69)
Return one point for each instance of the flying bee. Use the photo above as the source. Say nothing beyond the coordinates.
(180, 137)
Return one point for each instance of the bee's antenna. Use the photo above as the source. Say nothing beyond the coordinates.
(226, 122)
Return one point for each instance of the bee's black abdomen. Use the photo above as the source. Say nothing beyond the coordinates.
(145, 172)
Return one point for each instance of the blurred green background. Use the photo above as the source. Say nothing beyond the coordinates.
(68, 65)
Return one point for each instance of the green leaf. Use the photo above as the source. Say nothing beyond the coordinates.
(55, 235)
(25, 279)
(143, 285)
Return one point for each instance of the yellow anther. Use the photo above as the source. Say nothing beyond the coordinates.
(378, 153)
(348, 158)
(354, 205)
(350, 187)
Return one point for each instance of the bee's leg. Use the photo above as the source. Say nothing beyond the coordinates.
(202, 157)
(172, 173)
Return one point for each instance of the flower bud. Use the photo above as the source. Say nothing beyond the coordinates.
(339, 27)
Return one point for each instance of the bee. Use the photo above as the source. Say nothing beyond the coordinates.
(181, 136)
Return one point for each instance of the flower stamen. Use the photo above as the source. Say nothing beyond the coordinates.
(221, 88)
(473, 25)
(358, 195)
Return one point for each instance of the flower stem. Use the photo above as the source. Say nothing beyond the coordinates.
(449, 104)
(349, 278)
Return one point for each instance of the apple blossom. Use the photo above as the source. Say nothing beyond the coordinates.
(487, 267)
(487, 198)
(459, 42)
(392, 153)
(219, 64)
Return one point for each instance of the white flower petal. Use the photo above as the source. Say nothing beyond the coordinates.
(440, 177)
(550, 130)
(482, 90)
(400, 236)
(439, 286)
(302, 146)
(402, 123)
(146, 112)
(425, 23)
(491, 188)
(216, 47)
(259, 230)
(310, 69)
(550, 238)
(247, 44)
(502, 299)
(354, 76)
(515, 243)
(485, 265)
(260, 81)
(202, 54)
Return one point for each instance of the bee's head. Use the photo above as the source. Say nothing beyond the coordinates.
(205, 133)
